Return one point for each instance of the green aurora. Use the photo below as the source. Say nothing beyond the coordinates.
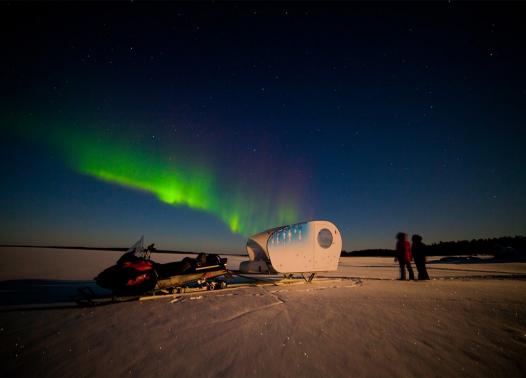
(174, 180)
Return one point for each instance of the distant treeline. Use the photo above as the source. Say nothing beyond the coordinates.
(507, 246)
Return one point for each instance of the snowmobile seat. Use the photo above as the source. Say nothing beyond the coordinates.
(186, 265)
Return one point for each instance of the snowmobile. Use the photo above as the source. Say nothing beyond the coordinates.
(136, 274)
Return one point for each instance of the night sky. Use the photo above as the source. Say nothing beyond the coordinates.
(197, 125)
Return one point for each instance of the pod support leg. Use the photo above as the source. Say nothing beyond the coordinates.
(308, 278)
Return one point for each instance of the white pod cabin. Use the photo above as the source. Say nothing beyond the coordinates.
(306, 247)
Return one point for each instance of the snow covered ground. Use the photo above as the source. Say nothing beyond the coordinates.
(469, 320)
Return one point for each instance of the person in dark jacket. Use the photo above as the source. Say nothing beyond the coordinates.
(403, 255)
(419, 254)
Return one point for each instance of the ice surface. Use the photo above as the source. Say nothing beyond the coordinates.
(467, 323)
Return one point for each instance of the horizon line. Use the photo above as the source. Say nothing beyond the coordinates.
(117, 249)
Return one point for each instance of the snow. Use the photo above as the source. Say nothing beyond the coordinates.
(464, 322)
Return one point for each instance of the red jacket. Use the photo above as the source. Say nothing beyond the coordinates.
(403, 251)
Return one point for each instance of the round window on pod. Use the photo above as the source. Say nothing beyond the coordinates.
(325, 238)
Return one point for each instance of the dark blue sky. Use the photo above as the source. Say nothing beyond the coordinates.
(378, 117)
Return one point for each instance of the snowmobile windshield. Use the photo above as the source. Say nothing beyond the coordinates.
(138, 249)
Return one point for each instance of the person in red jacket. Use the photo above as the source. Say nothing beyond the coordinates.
(403, 255)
